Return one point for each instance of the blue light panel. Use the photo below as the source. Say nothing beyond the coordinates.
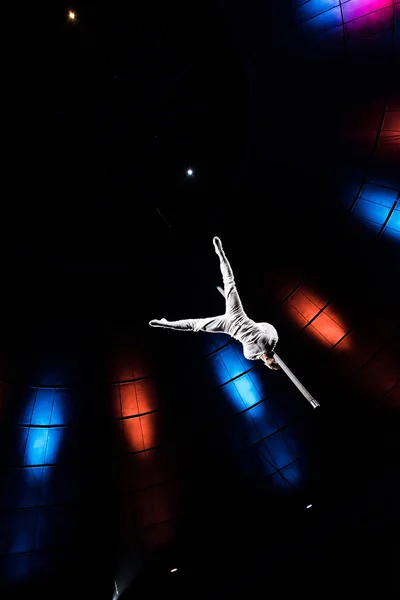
(28, 487)
(64, 407)
(279, 451)
(36, 445)
(371, 210)
(262, 417)
(374, 207)
(54, 441)
(326, 20)
(218, 370)
(231, 396)
(379, 195)
(313, 8)
(43, 406)
(17, 451)
(247, 390)
(27, 402)
(393, 224)
(231, 361)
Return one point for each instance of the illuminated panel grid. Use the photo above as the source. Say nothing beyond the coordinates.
(38, 483)
(373, 129)
(144, 467)
(362, 355)
(345, 20)
(310, 311)
(369, 363)
(377, 207)
(259, 415)
(136, 404)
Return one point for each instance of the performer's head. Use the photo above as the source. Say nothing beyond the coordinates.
(269, 361)
(268, 343)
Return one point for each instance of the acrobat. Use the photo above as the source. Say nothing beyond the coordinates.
(258, 339)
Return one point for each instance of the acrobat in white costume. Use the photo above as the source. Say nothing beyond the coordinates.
(258, 339)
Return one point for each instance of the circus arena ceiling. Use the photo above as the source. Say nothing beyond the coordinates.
(134, 460)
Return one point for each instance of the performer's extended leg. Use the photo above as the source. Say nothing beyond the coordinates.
(233, 305)
(222, 323)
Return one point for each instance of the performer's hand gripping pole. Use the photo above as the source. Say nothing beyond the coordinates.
(289, 373)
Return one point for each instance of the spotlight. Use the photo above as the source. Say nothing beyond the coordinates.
(71, 15)
(309, 506)
(189, 172)
(173, 570)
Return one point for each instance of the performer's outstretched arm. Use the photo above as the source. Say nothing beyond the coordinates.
(182, 325)
(211, 324)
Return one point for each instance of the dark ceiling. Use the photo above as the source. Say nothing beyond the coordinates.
(288, 114)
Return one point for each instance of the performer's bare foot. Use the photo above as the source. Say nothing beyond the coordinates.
(217, 245)
(157, 322)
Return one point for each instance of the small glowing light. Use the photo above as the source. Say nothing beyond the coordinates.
(189, 171)
(309, 505)
(71, 15)
(172, 570)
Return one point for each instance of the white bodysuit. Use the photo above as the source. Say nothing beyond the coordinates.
(256, 338)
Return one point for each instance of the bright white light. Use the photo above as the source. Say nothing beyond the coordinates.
(71, 15)
(172, 570)
(309, 506)
(189, 171)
